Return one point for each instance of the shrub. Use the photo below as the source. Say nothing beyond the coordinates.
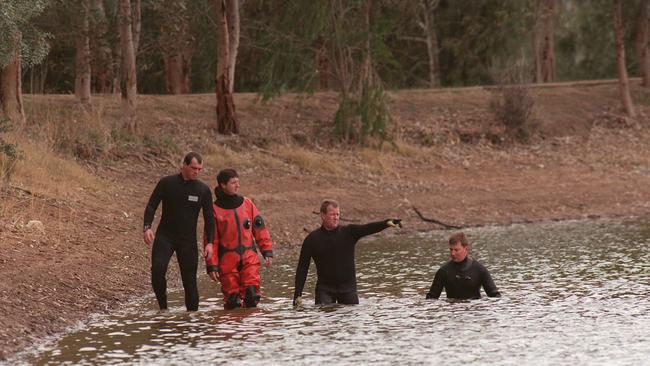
(513, 104)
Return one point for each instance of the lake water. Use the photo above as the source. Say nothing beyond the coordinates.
(574, 293)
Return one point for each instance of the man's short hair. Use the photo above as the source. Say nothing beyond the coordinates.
(326, 204)
(187, 160)
(225, 175)
(458, 237)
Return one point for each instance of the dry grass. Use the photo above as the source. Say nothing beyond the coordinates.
(221, 156)
(310, 161)
(414, 151)
(40, 170)
(377, 161)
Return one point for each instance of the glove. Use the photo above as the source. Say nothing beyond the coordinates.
(297, 302)
(394, 222)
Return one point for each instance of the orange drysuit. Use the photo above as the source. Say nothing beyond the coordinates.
(238, 233)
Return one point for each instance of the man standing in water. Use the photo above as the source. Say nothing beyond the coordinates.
(183, 196)
(332, 248)
(462, 277)
(240, 230)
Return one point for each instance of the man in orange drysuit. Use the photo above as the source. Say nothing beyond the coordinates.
(233, 258)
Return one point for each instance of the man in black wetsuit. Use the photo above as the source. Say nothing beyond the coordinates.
(183, 196)
(332, 248)
(462, 277)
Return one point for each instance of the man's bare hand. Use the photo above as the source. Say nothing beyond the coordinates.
(208, 251)
(148, 236)
(269, 261)
(214, 276)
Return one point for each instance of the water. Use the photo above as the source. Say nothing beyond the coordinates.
(573, 293)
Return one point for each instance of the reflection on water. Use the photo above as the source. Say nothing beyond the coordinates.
(573, 293)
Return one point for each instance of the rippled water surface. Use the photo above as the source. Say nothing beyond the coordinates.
(573, 293)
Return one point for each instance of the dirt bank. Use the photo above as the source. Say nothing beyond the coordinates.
(87, 254)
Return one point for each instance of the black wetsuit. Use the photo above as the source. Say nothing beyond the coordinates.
(463, 280)
(182, 200)
(333, 253)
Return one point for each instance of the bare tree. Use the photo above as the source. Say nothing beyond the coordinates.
(623, 82)
(544, 43)
(82, 58)
(128, 81)
(226, 117)
(427, 24)
(641, 43)
(11, 97)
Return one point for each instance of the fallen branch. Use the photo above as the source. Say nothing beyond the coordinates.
(447, 226)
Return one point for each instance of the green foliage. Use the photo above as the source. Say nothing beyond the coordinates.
(357, 119)
(280, 38)
(18, 33)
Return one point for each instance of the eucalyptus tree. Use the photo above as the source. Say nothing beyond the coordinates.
(299, 44)
(21, 44)
(623, 82)
(228, 31)
(129, 39)
(176, 43)
(641, 42)
(544, 41)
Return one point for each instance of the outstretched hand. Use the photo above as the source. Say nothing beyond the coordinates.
(394, 222)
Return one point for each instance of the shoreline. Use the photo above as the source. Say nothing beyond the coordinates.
(87, 255)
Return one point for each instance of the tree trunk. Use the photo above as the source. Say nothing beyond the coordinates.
(129, 81)
(11, 96)
(642, 43)
(226, 117)
(136, 25)
(82, 59)
(232, 17)
(178, 72)
(428, 26)
(623, 82)
(544, 45)
(176, 45)
(102, 56)
(322, 64)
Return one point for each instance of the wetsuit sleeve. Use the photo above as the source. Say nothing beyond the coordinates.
(212, 262)
(436, 286)
(359, 231)
(261, 233)
(488, 284)
(208, 215)
(303, 268)
(152, 205)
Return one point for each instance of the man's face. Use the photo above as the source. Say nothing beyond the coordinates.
(191, 171)
(458, 252)
(232, 187)
(331, 218)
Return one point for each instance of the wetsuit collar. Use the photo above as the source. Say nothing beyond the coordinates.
(464, 263)
(330, 231)
(227, 201)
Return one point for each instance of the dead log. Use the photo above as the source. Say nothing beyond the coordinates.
(425, 219)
